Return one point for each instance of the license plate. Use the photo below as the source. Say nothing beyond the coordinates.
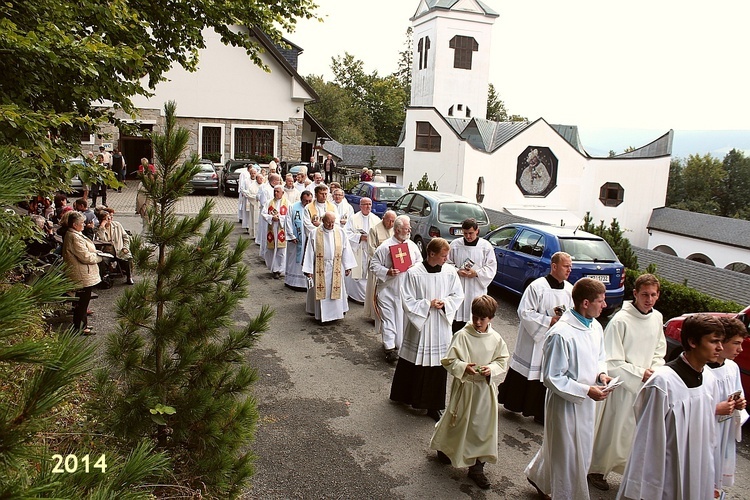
(604, 278)
(457, 231)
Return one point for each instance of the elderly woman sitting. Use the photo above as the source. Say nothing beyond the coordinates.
(81, 259)
(112, 232)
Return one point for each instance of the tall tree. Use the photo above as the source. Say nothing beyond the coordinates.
(178, 370)
(496, 108)
(347, 121)
(405, 59)
(675, 185)
(59, 60)
(734, 197)
(702, 178)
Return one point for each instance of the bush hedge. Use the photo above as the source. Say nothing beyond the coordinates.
(677, 299)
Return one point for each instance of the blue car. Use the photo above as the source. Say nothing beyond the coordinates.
(382, 194)
(524, 251)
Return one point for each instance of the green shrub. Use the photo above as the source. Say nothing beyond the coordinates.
(677, 299)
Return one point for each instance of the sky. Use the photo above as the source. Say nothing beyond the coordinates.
(624, 72)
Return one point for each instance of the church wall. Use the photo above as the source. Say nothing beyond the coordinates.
(721, 255)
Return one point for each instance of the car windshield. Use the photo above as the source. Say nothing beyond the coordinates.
(390, 193)
(589, 250)
(235, 168)
(206, 168)
(456, 213)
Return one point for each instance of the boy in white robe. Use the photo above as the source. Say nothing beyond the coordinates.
(466, 435)
(475, 260)
(635, 345)
(328, 258)
(431, 294)
(673, 447)
(358, 230)
(574, 370)
(730, 409)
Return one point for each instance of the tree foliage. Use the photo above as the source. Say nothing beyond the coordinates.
(496, 110)
(59, 61)
(177, 371)
(424, 185)
(615, 236)
(708, 185)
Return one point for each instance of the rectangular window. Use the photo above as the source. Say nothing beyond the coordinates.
(211, 146)
(390, 178)
(253, 142)
(427, 138)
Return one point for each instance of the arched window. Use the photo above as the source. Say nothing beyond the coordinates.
(480, 190)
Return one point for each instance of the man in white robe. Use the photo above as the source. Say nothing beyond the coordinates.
(248, 194)
(431, 294)
(290, 191)
(358, 230)
(276, 215)
(301, 182)
(635, 345)
(377, 235)
(574, 370)
(389, 285)
(313, 218)
(294, 278)
(673, 447)
(244, 177)
(474, 258)
(328, 258)
(542, 304)
(343, 208)
(265, 194)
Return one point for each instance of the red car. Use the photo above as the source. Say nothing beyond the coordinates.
(673, 328)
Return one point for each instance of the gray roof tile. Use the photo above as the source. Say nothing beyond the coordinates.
(725, 230)
(658, 148)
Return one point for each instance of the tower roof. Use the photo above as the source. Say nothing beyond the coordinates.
(426, 6)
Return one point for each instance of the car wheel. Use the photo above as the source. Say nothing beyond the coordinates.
(421, 247)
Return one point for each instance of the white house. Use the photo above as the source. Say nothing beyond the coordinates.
(233, 108)
(536, 170)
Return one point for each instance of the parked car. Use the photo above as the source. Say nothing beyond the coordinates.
(673, 331)
(294, 167)
(206, 179)
(382, 194)
(524, 252)
(230, 176)
(434, 214)
(76, 185)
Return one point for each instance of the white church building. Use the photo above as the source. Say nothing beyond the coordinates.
(533, 169)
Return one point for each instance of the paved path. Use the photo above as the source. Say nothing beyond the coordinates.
(124, 203)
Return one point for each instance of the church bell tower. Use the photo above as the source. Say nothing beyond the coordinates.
(450, 67)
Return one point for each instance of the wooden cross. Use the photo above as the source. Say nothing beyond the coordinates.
(401, 254)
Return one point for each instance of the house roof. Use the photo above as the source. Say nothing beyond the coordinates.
(316, 126)
(351, 155)
(426, 6)
(271, 49)
(723, 230)
(660, 147)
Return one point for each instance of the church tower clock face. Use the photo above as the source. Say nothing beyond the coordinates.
(536, 174)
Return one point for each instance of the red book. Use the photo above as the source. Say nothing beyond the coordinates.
(400, 257)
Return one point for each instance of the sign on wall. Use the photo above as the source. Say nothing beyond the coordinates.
(536, 174)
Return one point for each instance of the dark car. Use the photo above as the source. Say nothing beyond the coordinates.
(230, 176)
(382, 194)
(673, 331)
(434, 214)
(206, 179)
(524, 252)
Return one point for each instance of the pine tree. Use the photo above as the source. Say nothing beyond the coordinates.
(615, 237)
(179, 373)
(424, 184)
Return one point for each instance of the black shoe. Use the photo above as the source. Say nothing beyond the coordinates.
(598, 481)
(480, 479)
(436, 415)
(443, 458)
(391, 355)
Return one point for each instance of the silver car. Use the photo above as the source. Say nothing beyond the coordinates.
(434, 214)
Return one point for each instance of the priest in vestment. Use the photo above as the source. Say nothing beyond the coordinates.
(276, 215)
(248, 193)
(290, 191)
(301, 181)
(265, 193)
(466, 435)
(635, 346)
(313, 218)
(389, 284)
(574, 370)
(377, 235)
(241, 202)
(294, 278)
(343, 208)
(541, 306)
(431, 294)
(675, 432)
(474, 258)
(328, 259)
(358, 230)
